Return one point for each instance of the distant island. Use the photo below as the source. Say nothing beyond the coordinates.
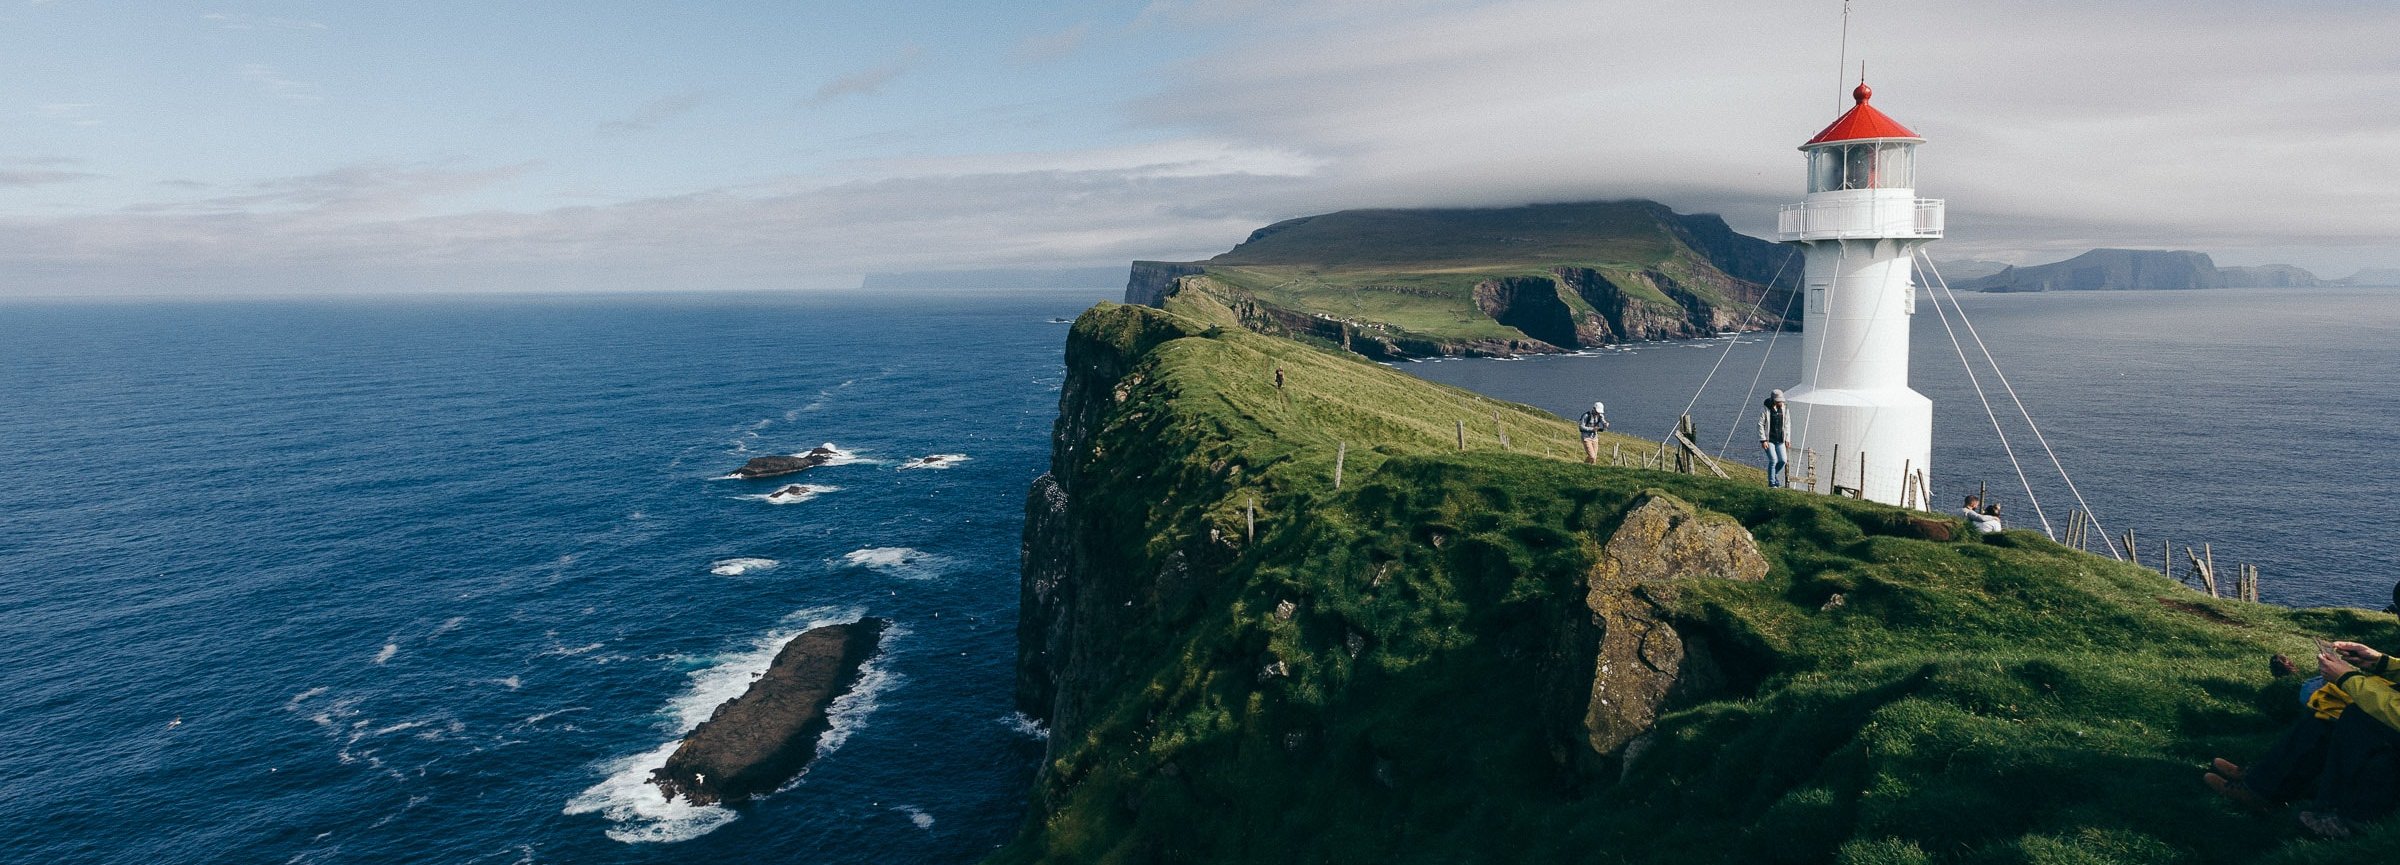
(1537, 279)
(2145, 269)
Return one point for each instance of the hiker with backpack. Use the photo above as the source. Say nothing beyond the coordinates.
(1593, 423)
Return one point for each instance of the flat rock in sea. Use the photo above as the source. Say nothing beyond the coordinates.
(756, 742)
(767, 467)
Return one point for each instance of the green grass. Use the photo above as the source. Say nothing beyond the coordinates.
(1999, 700)
(1415, 270)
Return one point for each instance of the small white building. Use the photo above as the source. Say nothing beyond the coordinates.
(1860, 226)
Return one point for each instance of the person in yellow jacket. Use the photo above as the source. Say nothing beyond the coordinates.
(2345, 755)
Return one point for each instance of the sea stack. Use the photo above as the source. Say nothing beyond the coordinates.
(767, 467)
(756, 742)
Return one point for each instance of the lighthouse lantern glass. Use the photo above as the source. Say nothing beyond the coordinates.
(1864, 165)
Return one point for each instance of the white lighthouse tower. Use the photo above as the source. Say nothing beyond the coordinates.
(1862, 222)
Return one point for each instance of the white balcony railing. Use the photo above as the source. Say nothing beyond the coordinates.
(1837, 220)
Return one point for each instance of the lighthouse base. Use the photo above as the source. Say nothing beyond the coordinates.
(1869, 441)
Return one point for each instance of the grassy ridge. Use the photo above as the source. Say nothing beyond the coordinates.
(2001, 700)
(1416, 270)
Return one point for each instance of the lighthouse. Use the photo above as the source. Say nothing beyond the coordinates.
(1853, 417)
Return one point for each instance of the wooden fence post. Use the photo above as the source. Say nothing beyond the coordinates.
(1462, 435)
(1253, 528)
(1341, 453)
(1501, 430)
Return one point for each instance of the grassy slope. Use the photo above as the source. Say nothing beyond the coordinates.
(2003, 701)
(1416, 269)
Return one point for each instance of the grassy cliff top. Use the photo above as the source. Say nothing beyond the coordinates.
(1391, 672)
(1417, 270)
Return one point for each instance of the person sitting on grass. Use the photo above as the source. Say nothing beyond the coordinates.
(2344, 755)
(1982, 520)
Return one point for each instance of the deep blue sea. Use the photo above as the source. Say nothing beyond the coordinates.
(2258, 421)
(439, 580)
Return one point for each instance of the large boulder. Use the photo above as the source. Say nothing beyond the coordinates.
(755, 742)
(1643, 663)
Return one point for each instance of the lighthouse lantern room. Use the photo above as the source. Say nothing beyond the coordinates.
(1853, 414)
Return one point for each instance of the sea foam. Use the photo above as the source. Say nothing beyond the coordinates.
(738, 567)
(902, 562)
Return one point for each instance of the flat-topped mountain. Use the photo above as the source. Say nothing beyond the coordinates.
(1493, 281)
(2107, 270)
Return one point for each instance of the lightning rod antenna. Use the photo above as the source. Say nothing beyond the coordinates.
(1841, 68)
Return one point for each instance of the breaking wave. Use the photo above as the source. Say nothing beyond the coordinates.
(902, 562)
(935, 461)
(738, 567)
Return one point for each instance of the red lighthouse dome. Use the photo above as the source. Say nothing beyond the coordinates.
(1863, 123)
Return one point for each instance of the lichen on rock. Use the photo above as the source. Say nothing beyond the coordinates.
(1642, 661)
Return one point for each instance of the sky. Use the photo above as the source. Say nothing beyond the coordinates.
(198, 148)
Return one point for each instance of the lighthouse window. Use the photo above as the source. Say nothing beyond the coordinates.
(1873, 165)
(1816, 295)
(1858, 166)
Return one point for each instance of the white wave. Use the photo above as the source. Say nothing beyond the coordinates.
(512, 683)
(902, 562)
(453, 624)
(819, 402)
(634, 807)
(792, 494)
(1025, 725)
(294, 703)
(935, 461)
(840, 456)
(738, 567)
(916, 815)
(848, 713)
(564, 652)
(389, 649)
(636, 812)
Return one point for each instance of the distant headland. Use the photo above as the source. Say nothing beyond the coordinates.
(1537, 279)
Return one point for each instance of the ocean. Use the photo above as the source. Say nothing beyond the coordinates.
(372, 581)
(2254, 421)
(439, 580)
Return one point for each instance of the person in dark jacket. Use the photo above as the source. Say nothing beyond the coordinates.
(1773, 433)
(2344, 755)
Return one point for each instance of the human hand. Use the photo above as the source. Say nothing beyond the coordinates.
(2358, 654)
(1765, 446)
(2333, 668)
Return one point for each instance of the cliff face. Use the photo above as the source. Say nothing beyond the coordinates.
(1504, 281)
(1501, 654)
(2269, 276)
(1151, 280)
(2108, 270)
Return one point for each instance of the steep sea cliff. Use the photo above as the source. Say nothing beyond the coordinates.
(1496, 653)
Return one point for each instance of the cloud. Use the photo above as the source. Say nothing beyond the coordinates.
(70, 113)
(246, 21)
(279, 86)
(382, 228)
(654, 112)
(2137, 122)
(1046, 47)
(864, 82)
(368, 191)
(19, 178)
